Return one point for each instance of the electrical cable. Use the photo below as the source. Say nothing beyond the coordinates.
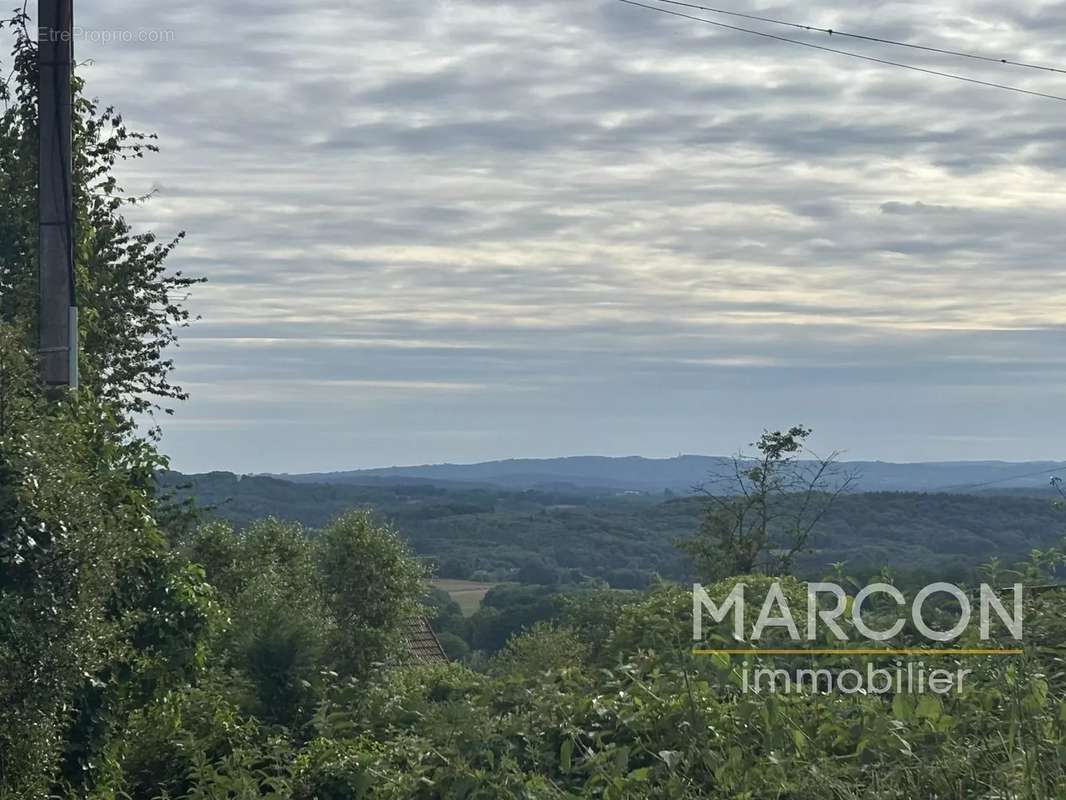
(849, 53)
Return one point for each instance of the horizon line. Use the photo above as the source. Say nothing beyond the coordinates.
(842, 461)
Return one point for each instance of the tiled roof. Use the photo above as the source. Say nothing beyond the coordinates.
(423, 646)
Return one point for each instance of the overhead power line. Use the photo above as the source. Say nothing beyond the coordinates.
(866, 38)
(849, 53)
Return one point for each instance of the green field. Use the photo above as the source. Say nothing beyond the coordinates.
(468, 594)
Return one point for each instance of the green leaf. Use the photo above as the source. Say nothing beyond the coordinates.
(929, 707)
(721, 661)
(1038, 691)
(641, 775)
(902, 707)
(566, 753)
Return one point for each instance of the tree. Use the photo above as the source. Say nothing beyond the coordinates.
(97, 616)
(267, 582)
(509, 609)
(454, 646)
(543, 647)
(761, 515)
(130, 306)
(371, 587)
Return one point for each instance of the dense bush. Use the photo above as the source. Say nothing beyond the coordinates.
(96, 616)
(680, 729)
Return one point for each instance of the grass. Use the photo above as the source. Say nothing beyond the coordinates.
(468, 594)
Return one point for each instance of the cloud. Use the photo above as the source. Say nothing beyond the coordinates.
(624, 232)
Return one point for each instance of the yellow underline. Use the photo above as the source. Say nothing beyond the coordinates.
(860, 651)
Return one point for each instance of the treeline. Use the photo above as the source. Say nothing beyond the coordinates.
(627, 540)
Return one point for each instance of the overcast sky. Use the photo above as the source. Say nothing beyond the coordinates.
(456, 231)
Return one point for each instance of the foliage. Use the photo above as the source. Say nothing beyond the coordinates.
(768, 518)
(508, 610)
(371, 587)
(455, 646)
(446, 618)
(594, 614)
(95, 614)
(675, 727)
(98, 619)
(489, 534)
(130, 306)
(543, 648)
(299, 604)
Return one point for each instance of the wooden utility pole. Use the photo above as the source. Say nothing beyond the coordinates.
(58, 313)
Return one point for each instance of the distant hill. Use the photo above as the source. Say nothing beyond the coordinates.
(680, 474)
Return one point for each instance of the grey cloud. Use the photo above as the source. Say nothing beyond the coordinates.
(917, 207)
(630, 232)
